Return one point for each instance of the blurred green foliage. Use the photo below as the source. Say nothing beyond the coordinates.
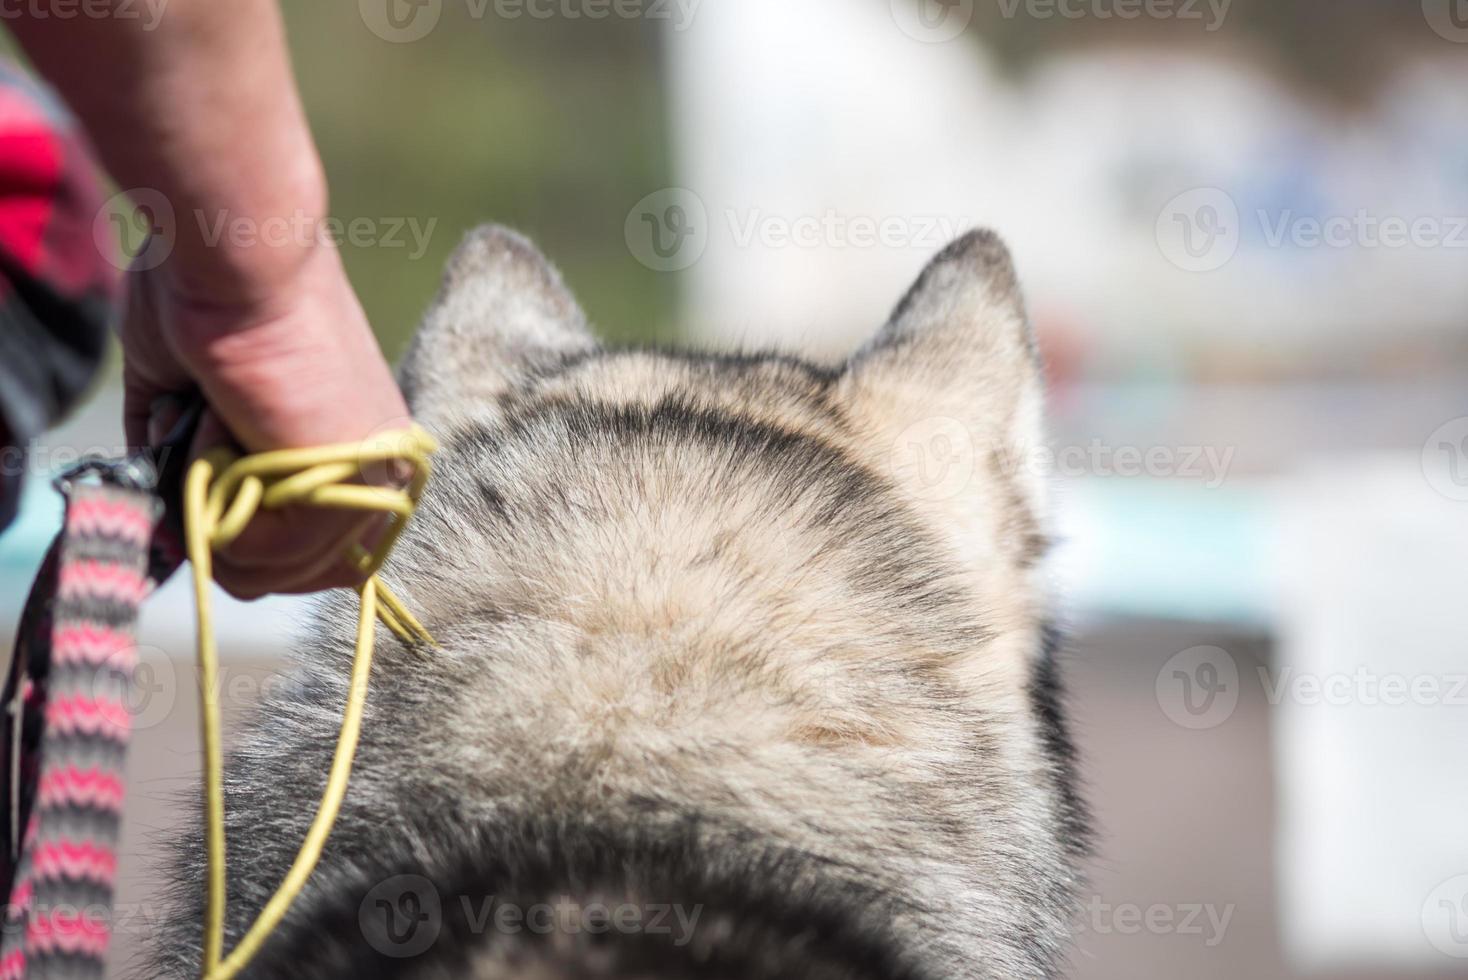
(552, 126)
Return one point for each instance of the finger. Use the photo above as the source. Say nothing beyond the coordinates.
(284, 551)
(298, 544)
(149, 368)
(331, 569)
(297, 549)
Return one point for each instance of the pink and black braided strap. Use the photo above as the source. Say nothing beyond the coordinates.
(66, 733)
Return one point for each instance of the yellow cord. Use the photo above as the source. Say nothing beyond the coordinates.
(222, 494)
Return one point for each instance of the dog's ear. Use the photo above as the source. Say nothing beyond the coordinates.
(949, 393)
(501, 314)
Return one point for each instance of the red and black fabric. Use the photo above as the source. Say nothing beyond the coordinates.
(58, 278)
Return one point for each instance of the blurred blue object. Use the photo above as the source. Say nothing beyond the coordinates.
(24, 544)
(1168, 550)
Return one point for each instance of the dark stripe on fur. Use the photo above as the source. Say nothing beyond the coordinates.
(1048, 695)
(760, 913)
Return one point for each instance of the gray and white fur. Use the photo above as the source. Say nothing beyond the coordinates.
(755, 641)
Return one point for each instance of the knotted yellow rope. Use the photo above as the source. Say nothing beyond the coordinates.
(221, 496)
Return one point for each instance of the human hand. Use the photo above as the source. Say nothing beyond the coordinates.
(282, 354)
(204, 111)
